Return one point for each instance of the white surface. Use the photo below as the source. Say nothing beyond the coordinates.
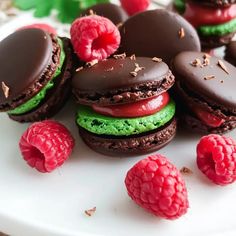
(35, 204)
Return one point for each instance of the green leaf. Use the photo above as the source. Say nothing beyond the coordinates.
(25, 4)
(43, 8)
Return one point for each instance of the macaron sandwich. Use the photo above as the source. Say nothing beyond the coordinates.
(205, 90)
(215, 20)
(124, 106)
(35, 74)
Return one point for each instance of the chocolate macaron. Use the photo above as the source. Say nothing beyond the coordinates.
(111, 11)
(35, 72)
(214, 20)
(124, 107)
(230, 53)
(205, 86)
(159, 33)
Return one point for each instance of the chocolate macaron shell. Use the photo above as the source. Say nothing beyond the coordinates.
(111, 11)
(213, 82)
(124, 80)
(158, 33)
(57, 96)
(230, 53)
(26, 64)
(132, 145)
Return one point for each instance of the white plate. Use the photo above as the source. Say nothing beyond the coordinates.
(35, 204)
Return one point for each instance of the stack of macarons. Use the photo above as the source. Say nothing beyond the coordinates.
(35, 72)
(205, 92)
(215, 20)
(124, 105)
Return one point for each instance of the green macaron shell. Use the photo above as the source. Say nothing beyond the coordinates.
(35, 101)
(218, 30)
(105, 125)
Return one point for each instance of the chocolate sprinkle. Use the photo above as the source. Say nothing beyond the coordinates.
(209, 77)
(79, 69)
(181, 33)
(223, 67)
(5, 90)
(91, 63)
(90, 212)
(156, 59)
(120, 56)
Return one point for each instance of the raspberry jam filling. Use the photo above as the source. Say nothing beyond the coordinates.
(138, 109)
(207, 117)
(199, 15)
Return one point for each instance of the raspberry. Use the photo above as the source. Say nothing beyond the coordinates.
(94, 37)
(134, 6)
(216, 158)
(46, 145)
(45, 27)
(156, 185)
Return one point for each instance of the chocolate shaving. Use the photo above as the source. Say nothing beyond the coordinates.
(91, 63)
(90, 212)
(196, 62)
(209, 77)
(119, 25)
(181, 33)
(157, 59)
(133, 73)
(138, 68)
(91, 12)
(120, 56)
(185, 170)
(133, 57)
(222, 66)
(5, 90)
(79, 69)
(110, 69)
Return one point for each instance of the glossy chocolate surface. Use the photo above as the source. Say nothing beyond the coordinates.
(215, 82)
(111, 11)
(116, 73)
(24, 56)
(158, 33)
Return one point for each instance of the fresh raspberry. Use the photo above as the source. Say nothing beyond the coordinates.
(45, 27)
(156, 185)
(94, 37)
(134, 6)
(46, 145)
(216, 158)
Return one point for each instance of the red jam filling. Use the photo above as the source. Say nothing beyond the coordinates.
(208, 118)
(137, 109)
(199, 15)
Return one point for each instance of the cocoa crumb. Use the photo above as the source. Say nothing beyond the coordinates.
(181, 33)
(196, 62)
(90, 212)
(91, 63)
(79, 68)
(120, 56)
(156, 59)
(133, 57)
(222, 66)
(209, 77)
(222, 81)
(185, 170)
(5, 90)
